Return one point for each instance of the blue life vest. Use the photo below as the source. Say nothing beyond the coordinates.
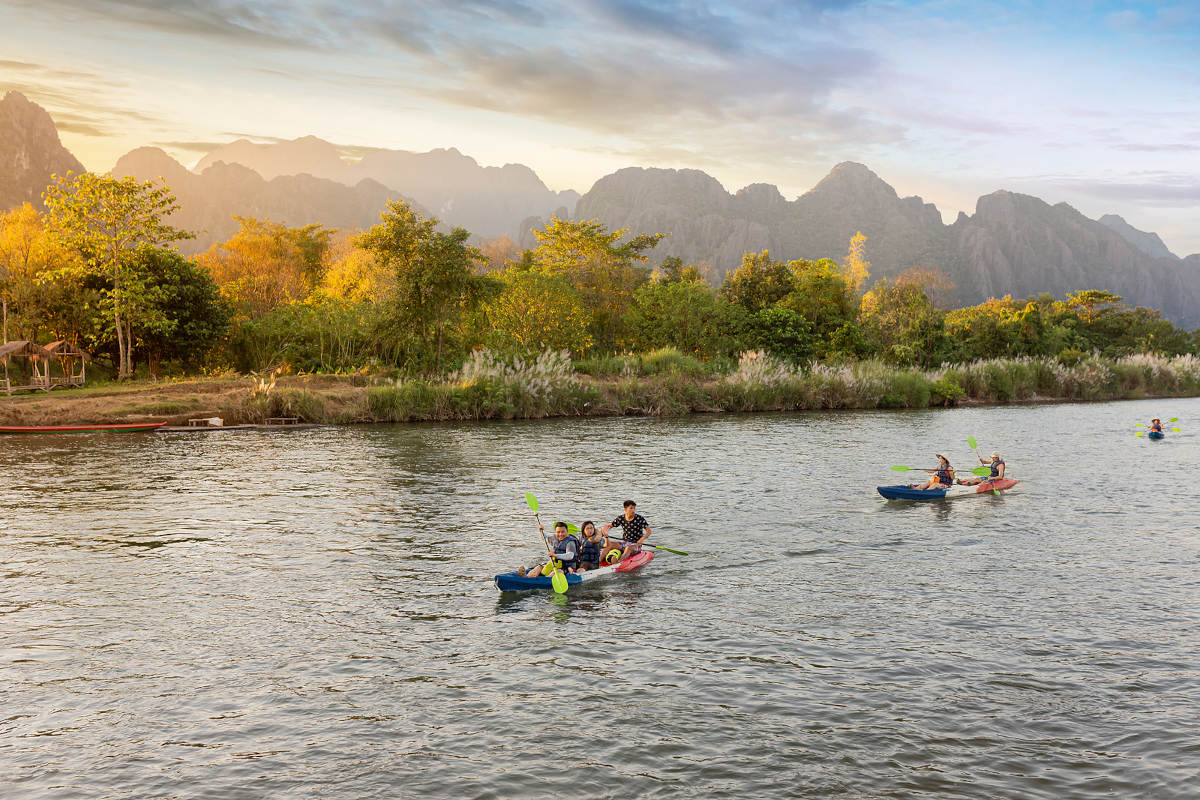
(1156, 428)
(943, 476)
(995, 465)
(563, 549)
(589, 551)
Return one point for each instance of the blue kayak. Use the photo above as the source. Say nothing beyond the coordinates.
(512, 582)
(906, 492)
(1156, 435)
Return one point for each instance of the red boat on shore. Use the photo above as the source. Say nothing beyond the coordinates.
(122, 427)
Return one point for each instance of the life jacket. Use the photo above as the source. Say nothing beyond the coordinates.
(589, 551)
(563, 549)
(995, 465)
(943, 476)
(1156, 428)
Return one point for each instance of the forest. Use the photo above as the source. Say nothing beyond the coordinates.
(409, 298)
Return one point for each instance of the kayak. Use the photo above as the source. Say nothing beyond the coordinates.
(1156, 435)
(512, 582)
(905, 492)
(124, 427)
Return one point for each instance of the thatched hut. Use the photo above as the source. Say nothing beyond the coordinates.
(71, 360)
(39, 359)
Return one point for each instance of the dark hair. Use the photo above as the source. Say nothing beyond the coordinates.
(558, 525)
(629, 503)
(583, 527)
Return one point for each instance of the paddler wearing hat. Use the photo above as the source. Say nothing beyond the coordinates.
(997, 466)
(940, 478)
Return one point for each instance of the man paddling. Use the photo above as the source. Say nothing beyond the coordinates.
(634, 527)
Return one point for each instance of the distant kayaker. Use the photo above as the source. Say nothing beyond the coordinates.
(591, 544)
(1155, 426)
(997, 466)
(563, 548)
(940, 478)
(635, 530)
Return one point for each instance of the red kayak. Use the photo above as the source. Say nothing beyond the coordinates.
(123, 427)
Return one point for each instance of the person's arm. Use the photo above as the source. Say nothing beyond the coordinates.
(982, 461)
(1000, 472)
(645, 535)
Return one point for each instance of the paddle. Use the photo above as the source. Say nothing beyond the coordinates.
(574, 530)
(982, 472)
(558, 581)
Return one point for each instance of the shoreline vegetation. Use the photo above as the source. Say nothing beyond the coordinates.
(664, 382)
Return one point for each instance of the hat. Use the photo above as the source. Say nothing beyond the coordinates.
(997, 456)
(939, 455)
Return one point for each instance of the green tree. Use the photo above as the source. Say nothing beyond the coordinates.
(606, 272)
(434, 284)
(190, 317)
(685, 314)
(899, 318)
(780, 331)
(759, 282)
(1091, 303)
(109, 221)
(534, 311)
(822, 296)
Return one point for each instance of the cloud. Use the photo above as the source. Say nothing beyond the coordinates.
(1158, 189)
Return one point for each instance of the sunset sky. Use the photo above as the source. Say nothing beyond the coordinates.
(1093, 103)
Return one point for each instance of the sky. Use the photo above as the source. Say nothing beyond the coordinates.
(1096, 104)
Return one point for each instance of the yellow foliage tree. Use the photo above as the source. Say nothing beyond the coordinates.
(856, 269)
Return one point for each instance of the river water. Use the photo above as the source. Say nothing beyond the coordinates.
(311, 613)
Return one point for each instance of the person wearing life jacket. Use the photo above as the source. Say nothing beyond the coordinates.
(591, 542)
(940, 478)
(996, 465)
(563, 552)
(1155, 426)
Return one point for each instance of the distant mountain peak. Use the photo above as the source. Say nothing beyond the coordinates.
(30, 151)
(1148, 243)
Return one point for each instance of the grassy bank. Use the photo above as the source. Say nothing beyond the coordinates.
(663, 383)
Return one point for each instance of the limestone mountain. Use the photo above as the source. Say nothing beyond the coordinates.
(30, 152)
(209, 200)
(1147, 242)
(487, 201)
(1013, 243)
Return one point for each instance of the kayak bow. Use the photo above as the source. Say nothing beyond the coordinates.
(512, 582)
(906, 492)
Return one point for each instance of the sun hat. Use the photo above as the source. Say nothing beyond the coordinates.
(997, 455)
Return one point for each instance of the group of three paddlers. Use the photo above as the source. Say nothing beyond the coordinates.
(591, 549)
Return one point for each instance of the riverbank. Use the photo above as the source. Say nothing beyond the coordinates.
(490, 387)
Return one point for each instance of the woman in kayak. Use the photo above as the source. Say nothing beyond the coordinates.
(1155, 426)
(996, 465)
(632, 526)
(564, 549)
(940, 478)
(591, 542)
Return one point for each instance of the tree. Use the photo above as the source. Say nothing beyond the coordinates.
(108, 221)
(190, 316)
(266, 264)
(780, 331)
(434, 284)
(22, 249)
(1091, 303)
(605, 272)
(534, 311)
(856, 269)
(900, 319)
(685, 314)
(759, 282)
(822, 296)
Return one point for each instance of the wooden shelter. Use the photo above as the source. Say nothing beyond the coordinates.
(39, 359)
(71, 360)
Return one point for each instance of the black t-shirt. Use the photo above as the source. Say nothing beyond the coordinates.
(632, 527)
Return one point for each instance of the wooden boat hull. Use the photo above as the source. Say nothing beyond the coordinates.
(122, 427)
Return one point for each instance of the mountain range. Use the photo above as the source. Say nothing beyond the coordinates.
(1013, 244)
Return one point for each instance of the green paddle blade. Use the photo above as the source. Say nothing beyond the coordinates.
(1140, 433)
(531, 501)
(982, 472)
(1139, 425)
(899, 468)
(559, 581)
(971, 443)
(1175, 429)
(1173, 419)
(571, 529)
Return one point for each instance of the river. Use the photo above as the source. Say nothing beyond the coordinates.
(311, 613)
